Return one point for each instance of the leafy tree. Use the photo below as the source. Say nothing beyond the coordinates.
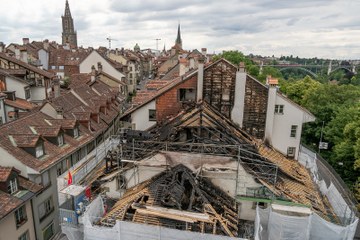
(274, 72)
(296, 90)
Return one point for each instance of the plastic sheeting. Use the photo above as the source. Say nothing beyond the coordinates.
(276, 226)
(309, 159)
(133, 231)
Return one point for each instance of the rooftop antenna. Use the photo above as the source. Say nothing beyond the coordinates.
(157, 43)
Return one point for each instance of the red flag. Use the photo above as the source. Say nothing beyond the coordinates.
(69, 178)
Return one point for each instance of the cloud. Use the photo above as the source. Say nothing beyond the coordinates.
(307, 28)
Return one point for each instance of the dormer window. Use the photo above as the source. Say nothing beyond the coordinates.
(60, 139)
(76, 132)
(39, 151)
(12, 187)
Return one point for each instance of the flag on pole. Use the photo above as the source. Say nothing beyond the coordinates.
(69, 178)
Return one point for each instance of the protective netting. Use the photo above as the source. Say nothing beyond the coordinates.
(276, 226)
(310, 160)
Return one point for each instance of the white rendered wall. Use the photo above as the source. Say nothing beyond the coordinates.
(2, 111)
(281, 139)
(8, 227)
(140, 117)
(38, 93)
(15, 85)
(93, 59)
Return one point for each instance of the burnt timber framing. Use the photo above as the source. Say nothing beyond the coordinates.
(256, 97)
(178, 199)
(205, 125)
(219, 86)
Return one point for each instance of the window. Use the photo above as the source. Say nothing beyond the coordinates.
(291, 152)
(279, 109)
(293, 130)
(76, 132)
(20, 216)
(27, 93)
(39, 150)
(58, 170)
(45, 208)
(152, 115)
(12, 187)
(226, 94)
(186, 94)
(39, 82)
(53, 67)
(48, 231)
(24, 236)
(61, 67)
(60, 140)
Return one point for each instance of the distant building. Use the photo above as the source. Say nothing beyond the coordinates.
(69, 35)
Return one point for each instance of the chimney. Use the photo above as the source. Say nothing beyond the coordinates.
(182, 66)
(17, 53)
(25, 41)
(99, 67)
(203, 51)
(46, 44)
(270, 113)
(200, 80)
(237, 113)
(59, 113)
(24, 55)
(56, 83)
(93, 73)
(2, 47)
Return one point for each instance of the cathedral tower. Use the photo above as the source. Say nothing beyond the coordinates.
(69, 34)
(178, 41)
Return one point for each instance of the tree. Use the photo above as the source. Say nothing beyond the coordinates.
(296, 90)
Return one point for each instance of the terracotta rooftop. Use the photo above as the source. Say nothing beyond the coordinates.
(20, 104)
(24, 140)
(64, 123)
(21, 135)
(5, 173)
(26, 66)
(47, 131)
(8, 204)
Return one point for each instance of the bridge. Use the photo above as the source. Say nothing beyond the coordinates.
(308, 68)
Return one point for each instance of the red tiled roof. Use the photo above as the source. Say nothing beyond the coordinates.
(25, 140)
(8, 204)
(48, 131)
(5, 173)
(26, 66)
(20, 104)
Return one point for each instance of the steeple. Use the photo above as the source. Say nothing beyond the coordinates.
(69, 35)
(178, 41)
(67, 10)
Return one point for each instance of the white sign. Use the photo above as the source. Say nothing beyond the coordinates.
(323, 145)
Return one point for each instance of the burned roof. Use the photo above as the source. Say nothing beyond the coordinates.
(176, 198)
(293, 181)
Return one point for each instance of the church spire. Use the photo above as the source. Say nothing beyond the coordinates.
(69, 35)
(178, 38)
(67, 10)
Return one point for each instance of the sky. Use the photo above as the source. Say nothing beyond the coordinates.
(304, 28)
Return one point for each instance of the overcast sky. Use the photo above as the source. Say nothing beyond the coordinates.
(304, 28)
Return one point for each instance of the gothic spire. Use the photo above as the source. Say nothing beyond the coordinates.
(178, 38)
(67, 9)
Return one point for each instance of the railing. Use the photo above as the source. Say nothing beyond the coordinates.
(68, 217)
